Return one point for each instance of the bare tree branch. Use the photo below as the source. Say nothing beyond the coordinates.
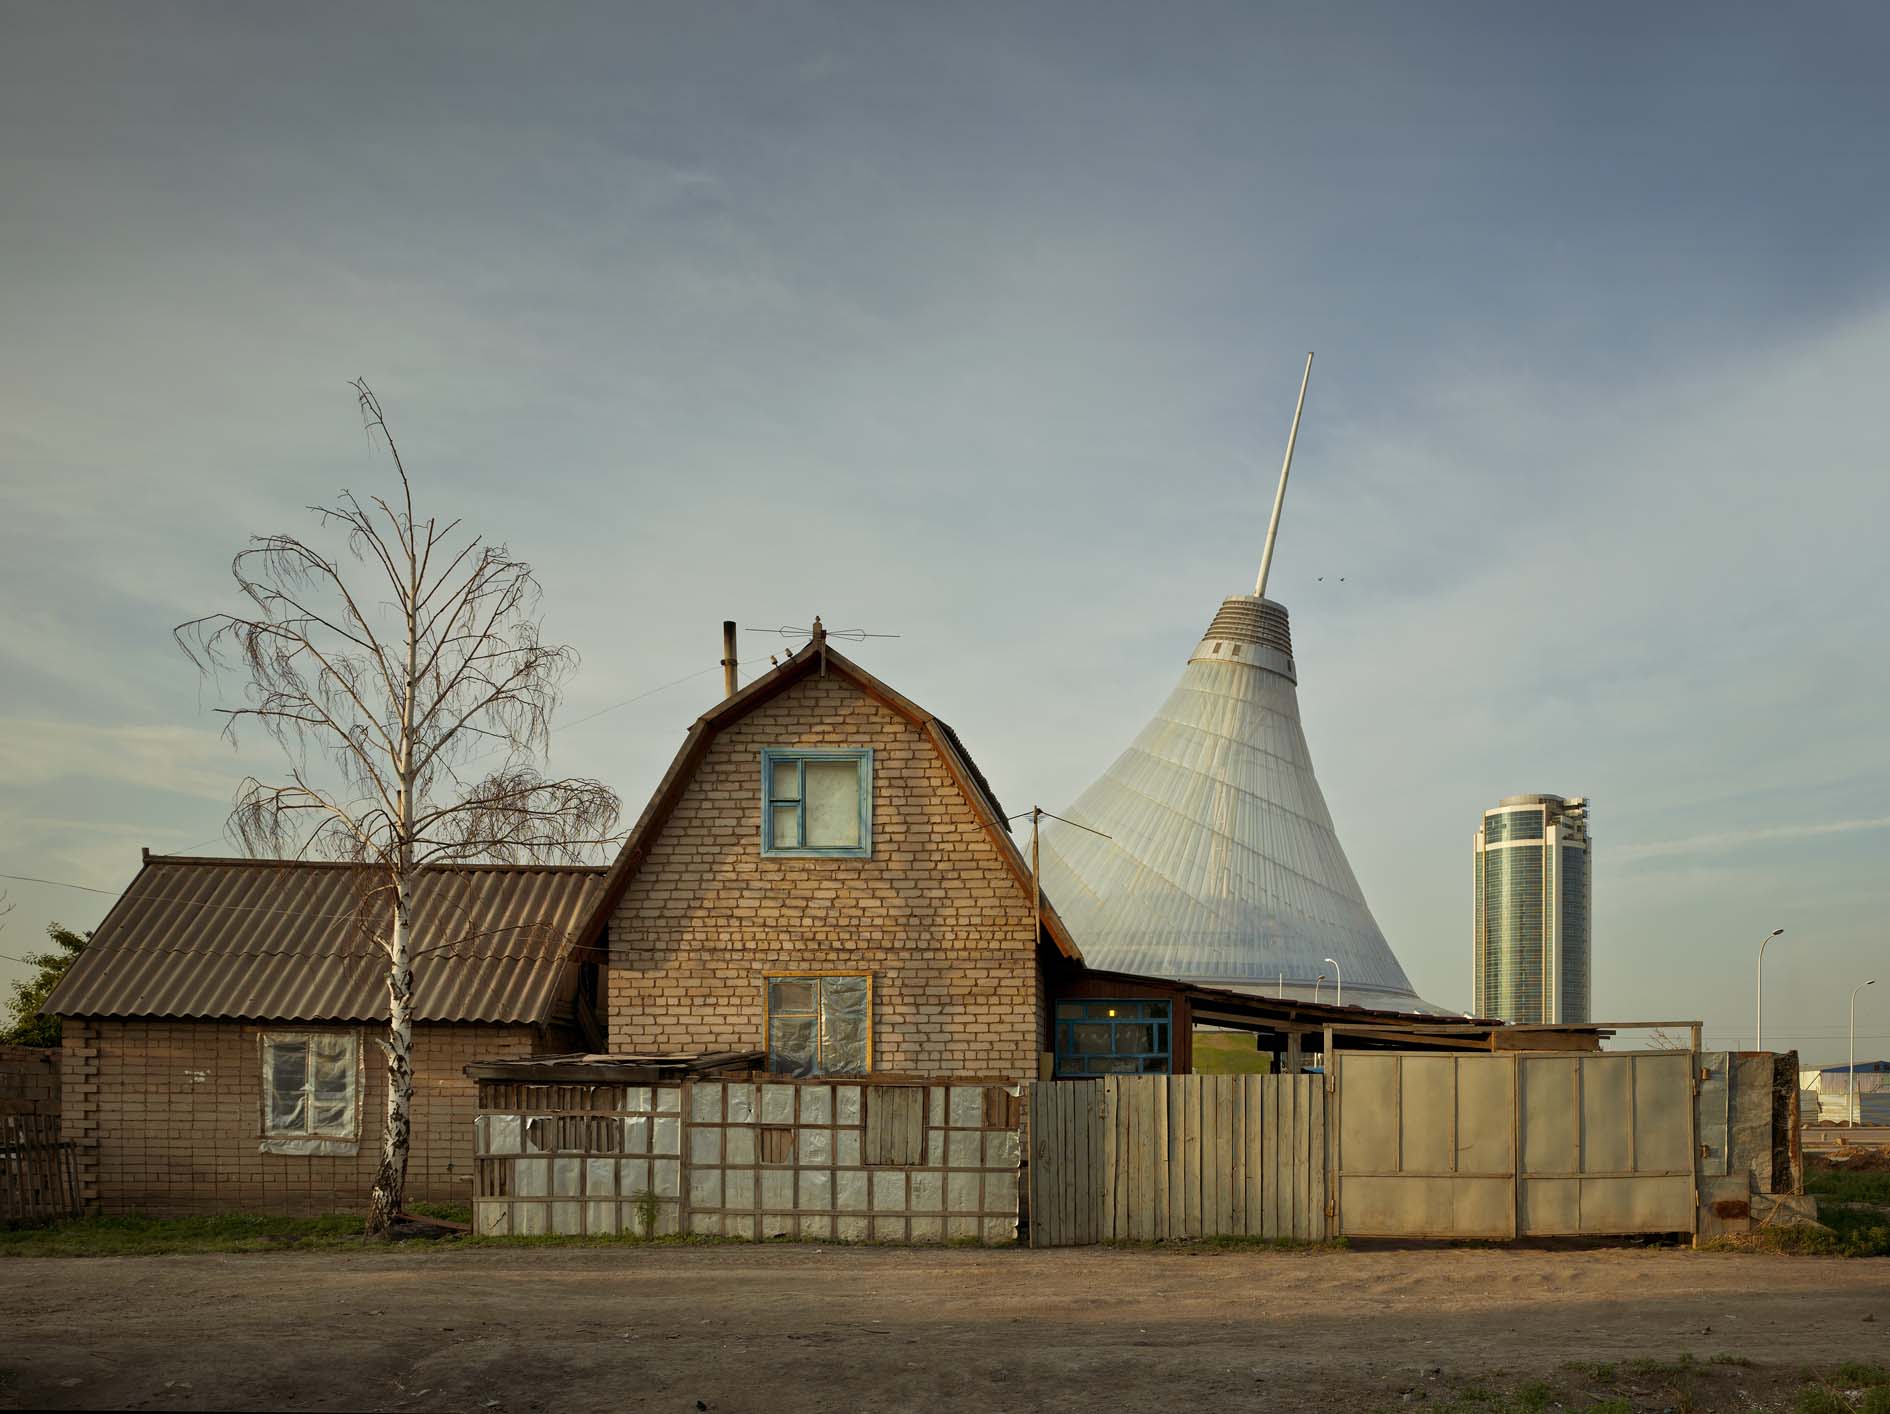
(382, 673)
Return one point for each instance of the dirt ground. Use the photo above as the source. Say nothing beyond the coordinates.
(805, 1328)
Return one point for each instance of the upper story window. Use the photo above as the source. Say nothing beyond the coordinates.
(817, 803)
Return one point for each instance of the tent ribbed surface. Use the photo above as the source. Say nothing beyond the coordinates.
(1222, 866)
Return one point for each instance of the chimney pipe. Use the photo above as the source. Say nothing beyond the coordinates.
(728, 657)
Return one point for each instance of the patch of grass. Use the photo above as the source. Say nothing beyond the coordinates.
(1534, 1397)
(1842, 1231)
(1600, 1372)
(1229, 1053)
(1646, 1366)
(1820, 1399)
(1847, 1185)
(445, 1212)
(1724, 1359)
(1854, 1374)
(135, 1237)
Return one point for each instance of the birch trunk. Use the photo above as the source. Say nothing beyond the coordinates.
(390, 1181)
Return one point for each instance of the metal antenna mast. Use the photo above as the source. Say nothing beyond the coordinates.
(1279, 496)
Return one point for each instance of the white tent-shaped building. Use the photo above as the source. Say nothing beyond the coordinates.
(1221, 866)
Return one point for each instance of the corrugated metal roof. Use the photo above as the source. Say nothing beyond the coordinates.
(280, 940)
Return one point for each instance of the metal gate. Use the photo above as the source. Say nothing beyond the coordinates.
(1513, 1145)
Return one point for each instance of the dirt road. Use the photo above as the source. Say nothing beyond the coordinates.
(801, 1328)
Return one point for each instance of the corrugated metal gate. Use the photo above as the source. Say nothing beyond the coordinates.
(1158, 1157)
(1513, 1145)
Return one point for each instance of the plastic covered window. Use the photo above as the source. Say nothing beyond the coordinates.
(817, 803)
(819, 1025)
(309, 1085)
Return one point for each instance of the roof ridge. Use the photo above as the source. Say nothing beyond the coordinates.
(458, 866)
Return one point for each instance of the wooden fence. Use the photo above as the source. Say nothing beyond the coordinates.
(1157, 1157)
(39, 1179)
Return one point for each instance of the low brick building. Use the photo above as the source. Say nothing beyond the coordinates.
(219, 1030)
(824, 875)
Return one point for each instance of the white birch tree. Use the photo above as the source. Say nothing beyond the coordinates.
(403, 676)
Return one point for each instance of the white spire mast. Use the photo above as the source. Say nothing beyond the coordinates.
(1279, 496)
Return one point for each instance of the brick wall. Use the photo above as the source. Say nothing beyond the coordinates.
(168, 1115)
(935, 916)
(29, 1081)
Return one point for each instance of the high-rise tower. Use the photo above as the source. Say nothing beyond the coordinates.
(1221, 865)
(1534, 895)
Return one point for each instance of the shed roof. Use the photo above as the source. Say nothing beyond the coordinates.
(272, 939)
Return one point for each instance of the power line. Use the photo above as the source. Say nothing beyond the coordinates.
(689, 677)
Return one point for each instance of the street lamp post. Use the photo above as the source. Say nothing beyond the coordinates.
(1758, 1005)
(1338, 972)
(1850, 1076)
(1315, 987)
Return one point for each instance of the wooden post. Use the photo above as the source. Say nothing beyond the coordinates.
(1036, 887)
(728, 657)
(1295, 1060)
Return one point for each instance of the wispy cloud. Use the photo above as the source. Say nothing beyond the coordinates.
(1739, 839)
(181, 760)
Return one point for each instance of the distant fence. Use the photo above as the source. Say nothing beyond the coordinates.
(39, 1178)
(1159, 1158)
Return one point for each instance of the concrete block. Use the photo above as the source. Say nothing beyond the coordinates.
(739, 1145)
(816, 1189)
(967, 1106)
(961, 1193)
(738, 1188)
(741, 1103)
(928, 1191)
(846, 1104)
(1000, 1149)
(889, 1190)
(817, 1228)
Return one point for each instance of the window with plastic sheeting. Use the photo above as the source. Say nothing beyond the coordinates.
(817, 803)
(311, 1092)
(819, 1023)
(1125, 1037)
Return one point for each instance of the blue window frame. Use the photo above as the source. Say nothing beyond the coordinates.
(1104, 1037)
(817, 804)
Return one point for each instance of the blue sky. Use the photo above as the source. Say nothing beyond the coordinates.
(981, 325)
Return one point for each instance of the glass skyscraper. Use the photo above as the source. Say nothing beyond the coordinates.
(1533, 897)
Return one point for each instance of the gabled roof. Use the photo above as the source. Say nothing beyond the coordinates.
(816, 657)
(278, 940)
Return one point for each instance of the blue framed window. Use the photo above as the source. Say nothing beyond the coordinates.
(1102, 1037)
(817, 804)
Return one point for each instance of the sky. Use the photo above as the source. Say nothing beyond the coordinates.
(980, 325)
